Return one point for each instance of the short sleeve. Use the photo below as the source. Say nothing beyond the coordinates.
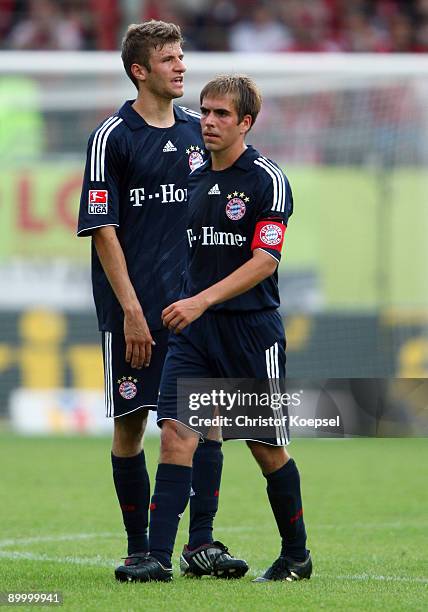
(99, 201)
(274, 207)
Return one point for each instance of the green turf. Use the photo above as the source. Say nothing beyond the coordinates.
(365, 507)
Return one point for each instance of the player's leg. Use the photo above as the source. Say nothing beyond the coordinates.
(263, 357)
(172, 487)
(203, 555)
(204, 497)
(285, 498)
(186, 359)
(131, 479)
(129, 394)
(174, 473)
(169, 501)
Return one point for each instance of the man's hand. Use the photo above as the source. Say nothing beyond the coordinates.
(138, 339)
(179, 315)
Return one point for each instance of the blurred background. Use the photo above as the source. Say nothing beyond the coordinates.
(345, 113)
(364, 26)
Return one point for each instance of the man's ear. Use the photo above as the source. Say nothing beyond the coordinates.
(139, 72)
(246, 124)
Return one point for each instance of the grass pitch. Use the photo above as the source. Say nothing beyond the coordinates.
(365, 507)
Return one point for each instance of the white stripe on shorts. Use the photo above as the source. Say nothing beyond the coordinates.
(108, 375)
(277, 378)
(272, 367)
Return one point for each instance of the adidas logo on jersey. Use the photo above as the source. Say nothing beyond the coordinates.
(169, 147)
(214, 190)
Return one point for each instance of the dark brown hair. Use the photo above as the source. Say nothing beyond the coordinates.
(245, 93)
(141, 38)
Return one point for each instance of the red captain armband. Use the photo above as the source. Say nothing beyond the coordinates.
(268, 235)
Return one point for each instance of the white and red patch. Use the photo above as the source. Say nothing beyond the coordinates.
(271, 234)
(195, 160)
(235, 209)
(98, 202)
(128, 389)
(268, 234)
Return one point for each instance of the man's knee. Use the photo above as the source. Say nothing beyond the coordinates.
(178, 443)
(269, 458)
(128, 433)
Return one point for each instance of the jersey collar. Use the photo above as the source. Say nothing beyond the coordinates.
(135, 121)
(244, 161)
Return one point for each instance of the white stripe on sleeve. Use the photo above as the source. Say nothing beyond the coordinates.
(278, 183)
(103, 150)
(98, 134)
(281, 181)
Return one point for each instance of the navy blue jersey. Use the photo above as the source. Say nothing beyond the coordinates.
(231, 213)
(136, 180)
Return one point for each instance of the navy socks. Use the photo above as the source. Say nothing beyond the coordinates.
(169, 501)
(132, 485)
(206, 477)
(172, 490)
(283, 489)
(133, 491)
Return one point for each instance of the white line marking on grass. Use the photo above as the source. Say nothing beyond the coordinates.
(358, 577)
(57, 538)
(380, 578)
(65, 537)
(108, 563)
(99, 561)
(94, 561)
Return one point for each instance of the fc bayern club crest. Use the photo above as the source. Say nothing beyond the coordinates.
(235, 207)
(196, 156)
(127, 387)
(271, 234)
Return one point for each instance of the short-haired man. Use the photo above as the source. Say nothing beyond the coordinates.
(133, 204)
(227, 323)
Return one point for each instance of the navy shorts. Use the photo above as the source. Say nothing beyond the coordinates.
(127, 389)
(225, 345)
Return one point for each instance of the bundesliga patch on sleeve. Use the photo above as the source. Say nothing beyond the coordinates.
(268, 234)
(98, 202)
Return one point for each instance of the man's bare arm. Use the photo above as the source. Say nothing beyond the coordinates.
(137, 334)
(178, 315)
